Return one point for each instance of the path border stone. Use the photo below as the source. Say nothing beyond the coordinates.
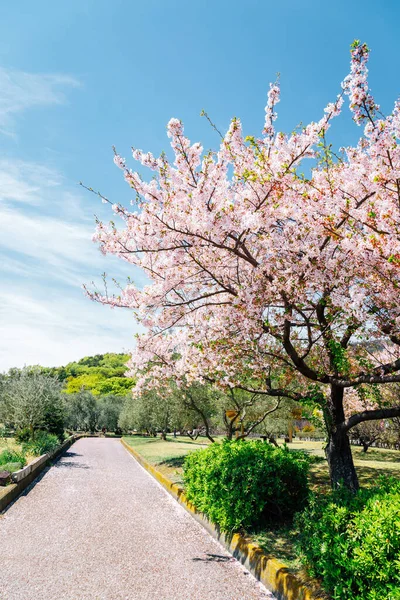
(274, 574)
(25, 476)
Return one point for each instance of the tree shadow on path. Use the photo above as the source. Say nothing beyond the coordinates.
(69, 464)
(214, 558)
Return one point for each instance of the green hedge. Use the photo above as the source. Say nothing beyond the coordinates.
(353, 542)
(246, 484)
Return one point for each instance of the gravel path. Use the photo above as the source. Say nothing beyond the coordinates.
(97, 526)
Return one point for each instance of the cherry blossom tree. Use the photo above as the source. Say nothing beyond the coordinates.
(258, 269)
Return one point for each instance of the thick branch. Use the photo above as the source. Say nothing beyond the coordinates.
(299, 363)
(371, 415)
(365, 378)
(273, 392)
(347, 335)
(260, 420)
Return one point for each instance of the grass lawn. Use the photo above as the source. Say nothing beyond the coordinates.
(9, 444)
(368, 465)
(168, 457)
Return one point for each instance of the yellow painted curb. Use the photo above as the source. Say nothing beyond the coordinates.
(271, 572)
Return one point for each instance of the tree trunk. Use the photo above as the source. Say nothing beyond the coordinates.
(290, 432)
(367, 443)
(338, 449)
(203, 416)
(340, 461)
(229, 429)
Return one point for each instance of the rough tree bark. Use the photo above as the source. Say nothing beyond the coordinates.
(338, 449)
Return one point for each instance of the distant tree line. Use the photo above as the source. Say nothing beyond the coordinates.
(87, 395)
(94, 393)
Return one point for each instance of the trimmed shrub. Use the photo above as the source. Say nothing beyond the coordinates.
(44, 442)
(352, 542)
(246, 484)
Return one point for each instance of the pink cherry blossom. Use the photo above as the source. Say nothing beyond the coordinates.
(261, 277)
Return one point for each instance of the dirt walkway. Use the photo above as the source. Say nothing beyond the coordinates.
(98, 527)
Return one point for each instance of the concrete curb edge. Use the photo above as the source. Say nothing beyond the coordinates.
(24, 477)
(271, 572)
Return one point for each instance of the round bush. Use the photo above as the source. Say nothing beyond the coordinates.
(353, 542)
(245, 484)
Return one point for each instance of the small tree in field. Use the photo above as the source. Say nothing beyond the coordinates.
(255, 266)
(151, 411)
(32, 399)
(83, 411)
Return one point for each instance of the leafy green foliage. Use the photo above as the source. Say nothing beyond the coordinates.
(339, 357)
(86, 381)
(42, 443)
(82, 410)
(34, 398)
(115, 386)
(110, 409)
(23, 435)
(31, 399)
(246, 483)
(11, 467)
(352, 542)
(11, 456)
(54, 417)
(152, 411)
(101, 374)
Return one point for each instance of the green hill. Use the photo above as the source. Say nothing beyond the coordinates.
(102, 374)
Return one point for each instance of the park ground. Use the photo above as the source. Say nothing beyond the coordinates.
(97, 526)
(168, 457)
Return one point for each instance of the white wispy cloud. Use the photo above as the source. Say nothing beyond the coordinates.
(46, 254)
(53, 241)
(20, 91)
(45, 318)
(53, 328)
(46, 250)
(44, 221)
(25, 181)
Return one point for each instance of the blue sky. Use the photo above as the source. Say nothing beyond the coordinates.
(77, 77)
